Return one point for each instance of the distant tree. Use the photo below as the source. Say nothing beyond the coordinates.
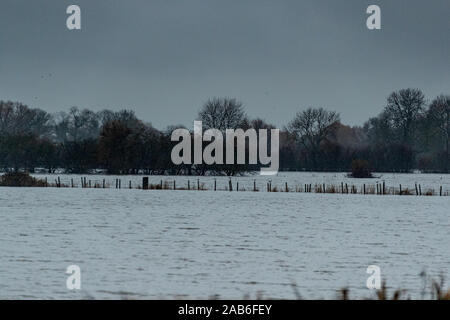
(17, 118)
(126, 117)
(260, 124)
(403, 108)
(402, 137)
(40, 123)
(311, 127)
(439, 112)
(113, 147)
(222, 114)
(159, 148)
(18, 151)
(425, 137)
(378, 130)
(145, 148)
(77, 125)
(400, 157)
(289, 152)
(79, 156)
(106, 116)
(47, 154)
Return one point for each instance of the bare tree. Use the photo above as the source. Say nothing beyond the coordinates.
(17, 118)
(259, 123)
(77, 125)
(378, 129)
(311, 127)
(439, 112)
(403, 108)
(127, 117)
(222, 114)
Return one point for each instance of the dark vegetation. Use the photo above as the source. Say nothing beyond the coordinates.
(411, 133)
(360, 169)
(19, 179)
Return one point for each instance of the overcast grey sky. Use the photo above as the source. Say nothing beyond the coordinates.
(165, 58)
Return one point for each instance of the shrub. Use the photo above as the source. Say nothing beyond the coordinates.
(20, 179)
(360, 169)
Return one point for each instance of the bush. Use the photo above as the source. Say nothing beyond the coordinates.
(20, 179)
(361, 169)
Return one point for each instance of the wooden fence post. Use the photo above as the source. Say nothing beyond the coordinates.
(145, 183)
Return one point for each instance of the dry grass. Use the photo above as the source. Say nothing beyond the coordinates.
(436, 291)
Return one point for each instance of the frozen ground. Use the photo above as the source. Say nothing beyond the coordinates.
(169, 244)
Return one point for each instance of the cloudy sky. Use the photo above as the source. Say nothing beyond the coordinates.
(164, 58)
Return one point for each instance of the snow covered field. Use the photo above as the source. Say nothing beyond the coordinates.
(169, 244)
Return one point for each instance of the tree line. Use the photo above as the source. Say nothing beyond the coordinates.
(410, 133)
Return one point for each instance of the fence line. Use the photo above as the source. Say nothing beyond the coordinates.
(343, 188)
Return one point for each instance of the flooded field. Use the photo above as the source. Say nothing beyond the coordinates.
(171, 244)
